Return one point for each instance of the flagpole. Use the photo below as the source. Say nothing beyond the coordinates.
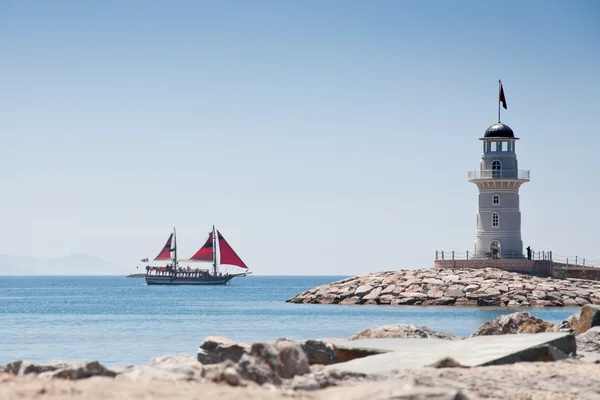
(499, 85)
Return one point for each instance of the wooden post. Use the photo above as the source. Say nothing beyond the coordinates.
(575, 260)
(453, 255)
(436, 254)
(442, 254)
(467, 255)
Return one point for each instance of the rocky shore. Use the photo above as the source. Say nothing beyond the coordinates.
(567, 368)
(454, 287)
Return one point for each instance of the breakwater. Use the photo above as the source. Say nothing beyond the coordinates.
(458, 287)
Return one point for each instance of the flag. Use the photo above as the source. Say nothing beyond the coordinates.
(502, 98)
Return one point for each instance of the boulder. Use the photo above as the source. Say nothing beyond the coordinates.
(216, 349)
(589, 340)
(588, 318)
(362, 290)
(319, 352)
(402, 331)
(177, 367)
(568, 302)
(350, 300)
(455, 292)
(59, 369)
(569, 324)
(462, 301)
(515, 323)
(388, 289)
(471, 288)
(541, 303)
(386, 298)
(373, 294)
(435, 293)
(83, 371)
(539, 294)
(272, 363)
(581, 301)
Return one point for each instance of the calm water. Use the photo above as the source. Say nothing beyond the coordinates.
(119, 320)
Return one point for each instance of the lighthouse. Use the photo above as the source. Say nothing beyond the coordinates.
(498, 180)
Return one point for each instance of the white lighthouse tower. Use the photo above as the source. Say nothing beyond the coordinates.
(498, 180)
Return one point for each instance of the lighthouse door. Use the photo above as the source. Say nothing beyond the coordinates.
(495, 249)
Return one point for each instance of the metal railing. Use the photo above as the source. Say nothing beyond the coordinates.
(539, 255)
(520, 174)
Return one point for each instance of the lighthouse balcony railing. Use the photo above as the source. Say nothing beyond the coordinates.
(486, 174)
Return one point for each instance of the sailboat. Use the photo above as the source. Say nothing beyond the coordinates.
(215, 250)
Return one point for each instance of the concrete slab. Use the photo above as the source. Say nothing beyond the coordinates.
(472, 352)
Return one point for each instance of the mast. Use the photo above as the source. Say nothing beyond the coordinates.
(214, 237)
(499, 97)
(175, 262)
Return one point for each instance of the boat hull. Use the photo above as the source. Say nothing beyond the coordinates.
(204, 280)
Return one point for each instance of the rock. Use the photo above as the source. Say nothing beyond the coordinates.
(538, 294)
(362, 290)
(271, 363)
(433, 281)
(172, 368)
(581, 301)
(488, 302)
(470, 288)
(373, 294)
(482, 287)
(447, 362)
(450, 278)
(388, 289)
(414, 295)
(87, 370)
(304, 382)
(569, 324)
(386, 298)
(568, 293)
(519, 322)
(350, 300)
(568, 302)
(435, 293)
(461, 301)
(403, 301)
(73, 370)
(588, 344)
(370, 302)
(540, 303)
(444, 301)
(454, 292)
(553, 296)
(215, 349)
(231, 376)
(319, 352)
(588, 318)
(402, 331)
(502, 288)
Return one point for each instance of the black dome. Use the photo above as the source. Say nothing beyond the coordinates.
(499, 131)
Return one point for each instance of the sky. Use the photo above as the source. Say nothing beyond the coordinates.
(320, 137)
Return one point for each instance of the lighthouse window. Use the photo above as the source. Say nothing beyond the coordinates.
(496, 169)
(496, 199)
(495, 219)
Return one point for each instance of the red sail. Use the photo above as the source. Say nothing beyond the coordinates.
(228, 256)
(165, 253)
(206, 252)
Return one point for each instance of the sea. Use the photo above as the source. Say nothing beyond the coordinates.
(119, 320)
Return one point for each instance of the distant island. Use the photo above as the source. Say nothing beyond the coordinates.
(73, 264)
